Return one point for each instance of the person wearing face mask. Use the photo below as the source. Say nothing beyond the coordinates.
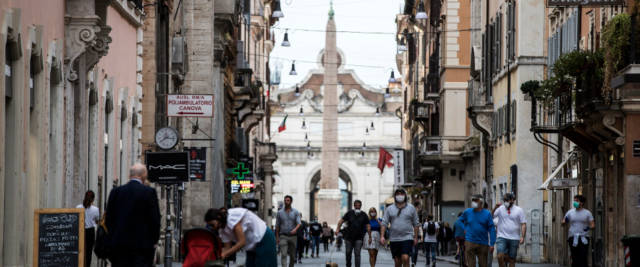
(512, 228)
(372, 240)
(402, 220)
(480, 233)
(580, 222)
(357, 225)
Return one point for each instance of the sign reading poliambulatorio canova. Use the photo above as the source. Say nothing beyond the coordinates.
(190, 105)
(585, 2)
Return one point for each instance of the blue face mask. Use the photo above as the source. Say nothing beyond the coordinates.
(576, 204)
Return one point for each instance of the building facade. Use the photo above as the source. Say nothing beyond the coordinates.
(434, 59)
(70, 119)
(217, 48)
(364, 121)
(587, 137)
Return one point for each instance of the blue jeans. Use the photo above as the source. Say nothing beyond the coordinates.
(430, 248)
(315, 244)
(508, 247)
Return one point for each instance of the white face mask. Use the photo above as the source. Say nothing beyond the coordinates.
(373, 214)
(474, 204)
(400, 198)
(357, 210)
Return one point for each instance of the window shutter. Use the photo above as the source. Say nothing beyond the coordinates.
(513, 116)
(511, 28)
(500, 38)
(500, 121)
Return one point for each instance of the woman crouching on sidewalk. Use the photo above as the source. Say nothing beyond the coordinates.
(246, 230)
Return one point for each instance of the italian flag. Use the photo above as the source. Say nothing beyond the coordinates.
(283, 125)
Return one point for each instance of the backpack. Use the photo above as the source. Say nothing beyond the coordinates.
(431, 228)
(101, 247)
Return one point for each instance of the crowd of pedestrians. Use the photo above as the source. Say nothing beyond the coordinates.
(132, 220)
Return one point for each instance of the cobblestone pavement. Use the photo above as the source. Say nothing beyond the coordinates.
(384, 260)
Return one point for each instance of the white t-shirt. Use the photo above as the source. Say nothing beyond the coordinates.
(430, 238)
(509, 223)
(578, 221)
(252, 226)
(91, 215)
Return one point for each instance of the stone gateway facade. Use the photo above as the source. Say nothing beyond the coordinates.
(328, 154)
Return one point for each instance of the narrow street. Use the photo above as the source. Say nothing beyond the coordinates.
(384, 260)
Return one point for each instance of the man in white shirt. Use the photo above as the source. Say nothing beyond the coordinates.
(512, 228)
(430, 230)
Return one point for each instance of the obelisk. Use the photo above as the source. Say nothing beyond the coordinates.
(329, 195)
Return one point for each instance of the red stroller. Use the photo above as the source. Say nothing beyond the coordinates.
(201, 248)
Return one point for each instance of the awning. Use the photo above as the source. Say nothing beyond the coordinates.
(545, 185)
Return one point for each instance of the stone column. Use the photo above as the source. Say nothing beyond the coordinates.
(267, 157)
(329, 195)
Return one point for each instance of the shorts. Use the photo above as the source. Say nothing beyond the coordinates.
(508, 247)
(399, 248)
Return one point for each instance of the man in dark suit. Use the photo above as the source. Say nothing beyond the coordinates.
(133, 221)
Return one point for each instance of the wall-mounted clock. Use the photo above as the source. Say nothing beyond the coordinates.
(167, 138)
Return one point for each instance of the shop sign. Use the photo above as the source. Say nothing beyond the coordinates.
(398, 163)
(197, 163)
(553, 3)
(563, 183)
(241, 180)
(168, 167)
(190, 105)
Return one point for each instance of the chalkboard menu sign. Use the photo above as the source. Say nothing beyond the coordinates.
(59, 235)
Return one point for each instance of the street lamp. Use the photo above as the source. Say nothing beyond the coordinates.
(372, 128)
(308, 145)
(364, 145)
(304, 125)
(386, 91)
(421, 14)
(377, 111)
(301, 111)
(277, 12)
(366, 131)
(285, 42)
(402, 47)
(297, 92)
(306, 137)
(392, 78)
(293, 69)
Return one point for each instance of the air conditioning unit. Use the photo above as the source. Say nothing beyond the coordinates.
(179, 54)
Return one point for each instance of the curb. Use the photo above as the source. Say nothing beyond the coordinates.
(447, 260)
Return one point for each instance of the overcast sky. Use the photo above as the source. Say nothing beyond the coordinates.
(370, 55)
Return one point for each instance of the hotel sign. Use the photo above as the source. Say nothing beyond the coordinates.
(553, 3)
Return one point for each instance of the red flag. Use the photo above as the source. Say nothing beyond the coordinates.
(384, 159)
(283, 125)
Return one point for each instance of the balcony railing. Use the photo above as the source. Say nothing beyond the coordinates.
(441, 145)
(555, 114)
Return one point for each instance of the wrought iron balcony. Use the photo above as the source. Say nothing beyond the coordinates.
(554, 115)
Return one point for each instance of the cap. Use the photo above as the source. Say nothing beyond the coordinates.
(477, 197)
(400, 190)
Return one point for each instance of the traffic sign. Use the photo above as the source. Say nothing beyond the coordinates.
(190, 105)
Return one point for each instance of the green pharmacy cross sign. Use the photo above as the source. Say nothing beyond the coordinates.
(240, 171)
